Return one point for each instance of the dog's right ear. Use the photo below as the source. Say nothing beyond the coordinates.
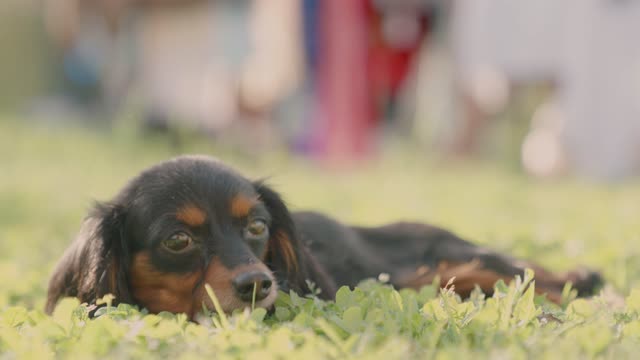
(97, 261)
(291, 262)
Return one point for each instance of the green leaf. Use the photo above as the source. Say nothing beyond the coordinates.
(282, 314)
(581, 309)
(525, 310)
(633, 301)
(258, 315)
(434, 309)
(352, 318)
(343, 297)
(63, 313)
(303, 320)
(14, 316)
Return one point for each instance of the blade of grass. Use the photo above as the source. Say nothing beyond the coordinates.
(216, 304)
(253, 297)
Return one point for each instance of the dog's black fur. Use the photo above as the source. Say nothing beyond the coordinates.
(237, 233)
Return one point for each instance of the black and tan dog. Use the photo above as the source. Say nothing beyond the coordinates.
(193, 221)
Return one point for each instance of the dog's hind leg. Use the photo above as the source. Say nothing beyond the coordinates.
(485, 269)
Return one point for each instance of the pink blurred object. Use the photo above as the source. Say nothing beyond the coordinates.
(343, 120)
(365, 53)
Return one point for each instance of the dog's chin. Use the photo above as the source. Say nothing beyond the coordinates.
(241, 305)
(230, 304)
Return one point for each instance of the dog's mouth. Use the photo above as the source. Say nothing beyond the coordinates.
(247, 290)
(229, 304)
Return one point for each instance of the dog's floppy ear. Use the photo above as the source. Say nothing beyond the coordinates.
(286, 256)
(96, 263)
(111, 272)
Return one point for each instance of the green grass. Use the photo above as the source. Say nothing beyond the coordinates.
(50, 175)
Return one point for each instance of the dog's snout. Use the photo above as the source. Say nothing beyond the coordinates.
(245, 283)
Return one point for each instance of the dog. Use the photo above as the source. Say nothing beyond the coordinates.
(193, 220)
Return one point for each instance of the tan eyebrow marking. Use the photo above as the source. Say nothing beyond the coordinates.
(191, 215)
(241, 205)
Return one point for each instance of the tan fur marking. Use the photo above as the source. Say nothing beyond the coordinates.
(280, 243)
(241, 205)
(191, 215)
(467, 276)
(161, 291)
(185, 293)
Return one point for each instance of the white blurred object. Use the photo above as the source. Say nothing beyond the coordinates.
(588, 48)
(543, 154)
(274, 67)
(187, 60)
(519, 38)
(206, 62)
(600, 88)
(489, 87)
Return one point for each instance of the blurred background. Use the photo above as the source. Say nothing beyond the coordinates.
(545, 87)
(515, 123)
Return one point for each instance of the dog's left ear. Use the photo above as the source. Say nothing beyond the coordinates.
(111, 270)
(286, 256)
(96, 263)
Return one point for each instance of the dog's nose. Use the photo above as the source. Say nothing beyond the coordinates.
(245, 283)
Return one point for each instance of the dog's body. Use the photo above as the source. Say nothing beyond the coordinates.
(193, 221)
(413, 254)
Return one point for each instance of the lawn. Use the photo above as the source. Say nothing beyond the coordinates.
(50, 175)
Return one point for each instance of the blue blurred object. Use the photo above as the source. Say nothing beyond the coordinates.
(82, 77)
(79, 70)
(311, 15)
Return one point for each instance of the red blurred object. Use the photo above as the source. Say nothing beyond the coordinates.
(365, 53)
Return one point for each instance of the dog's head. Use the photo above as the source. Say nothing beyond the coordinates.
(185, 223)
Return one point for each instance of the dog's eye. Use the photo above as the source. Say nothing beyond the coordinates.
(177, 242)
(257, 228)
